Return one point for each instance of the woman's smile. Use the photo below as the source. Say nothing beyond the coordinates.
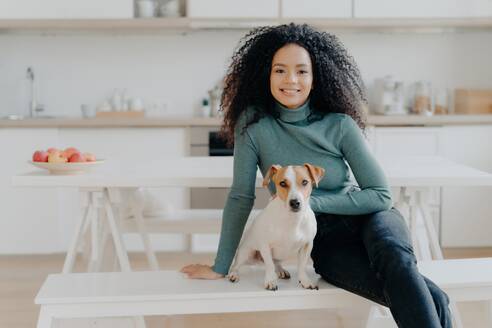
(290, 91)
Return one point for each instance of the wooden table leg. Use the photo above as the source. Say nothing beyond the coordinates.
(117, 238)
(137, 211)
(72, 250)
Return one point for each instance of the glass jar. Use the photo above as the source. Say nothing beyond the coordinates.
(422, 102)
(441, 101)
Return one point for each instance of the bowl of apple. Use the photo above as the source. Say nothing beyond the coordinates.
(67, 161)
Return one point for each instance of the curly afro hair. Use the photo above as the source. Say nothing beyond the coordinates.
(338, 87)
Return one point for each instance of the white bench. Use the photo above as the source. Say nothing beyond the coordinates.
(125, 294)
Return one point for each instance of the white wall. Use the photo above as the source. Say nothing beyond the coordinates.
(74, 69)
(178, 68)
(448, 60)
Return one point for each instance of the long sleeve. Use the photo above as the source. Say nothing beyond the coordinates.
(239, 202)
(374, 194)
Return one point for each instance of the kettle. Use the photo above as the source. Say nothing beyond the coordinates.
(389, 96)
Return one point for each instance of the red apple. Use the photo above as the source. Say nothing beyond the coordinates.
(76, 158)
(55, 157)
(89, 157)
(70, 151)
(68, 154)
(40, 156)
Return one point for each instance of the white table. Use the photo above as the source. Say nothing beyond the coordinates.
(413, 176)
(414, 171)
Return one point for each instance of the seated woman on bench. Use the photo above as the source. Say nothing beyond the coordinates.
(294, 95)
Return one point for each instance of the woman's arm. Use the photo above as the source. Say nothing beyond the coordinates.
(374, 195)
(239, 202)
(237, 208)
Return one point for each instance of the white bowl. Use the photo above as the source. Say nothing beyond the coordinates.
(67, 168)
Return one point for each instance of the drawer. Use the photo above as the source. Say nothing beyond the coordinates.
(406, 141)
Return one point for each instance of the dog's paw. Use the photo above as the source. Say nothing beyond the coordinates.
(233, 277)
(271, 285)
(283, 274)
(308, 284)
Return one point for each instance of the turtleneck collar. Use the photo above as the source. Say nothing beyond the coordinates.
(293, 115)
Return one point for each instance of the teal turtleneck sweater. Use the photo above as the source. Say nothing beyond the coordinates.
(334, 142)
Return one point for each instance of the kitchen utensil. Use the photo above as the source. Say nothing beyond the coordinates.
(146, 8)
(170, 9)
(135, 104)
(85, 111)
(205, 109)
(214, 94)
(105, 106)
(389, 96)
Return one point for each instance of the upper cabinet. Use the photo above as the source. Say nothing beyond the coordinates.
(232, 8)
(65, 9)
(111, 15)
(316, 9)
(422, 8)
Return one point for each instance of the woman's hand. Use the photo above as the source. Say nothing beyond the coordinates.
(201, 271)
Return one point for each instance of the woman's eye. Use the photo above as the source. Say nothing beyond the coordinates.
(304, 182)
(303, 72)
(279, 71)
(283, 184)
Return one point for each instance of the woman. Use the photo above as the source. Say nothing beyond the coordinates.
(294, 95)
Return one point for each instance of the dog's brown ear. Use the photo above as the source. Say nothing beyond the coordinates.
(270, 173)
(315, 172)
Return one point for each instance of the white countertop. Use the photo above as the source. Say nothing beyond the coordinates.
(377, 120)
(74, 122)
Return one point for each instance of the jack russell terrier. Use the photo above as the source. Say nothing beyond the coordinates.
(285, 227)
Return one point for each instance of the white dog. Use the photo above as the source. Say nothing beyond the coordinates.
(285, 227)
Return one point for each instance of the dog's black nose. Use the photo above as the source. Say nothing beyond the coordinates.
(294, 204)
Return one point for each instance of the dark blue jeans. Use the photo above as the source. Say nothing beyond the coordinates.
(372, 256)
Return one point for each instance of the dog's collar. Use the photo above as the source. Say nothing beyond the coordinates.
(293, 115)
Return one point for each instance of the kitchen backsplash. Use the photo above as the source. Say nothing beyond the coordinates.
(173, 71)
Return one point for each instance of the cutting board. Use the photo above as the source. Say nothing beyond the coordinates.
(473, 101)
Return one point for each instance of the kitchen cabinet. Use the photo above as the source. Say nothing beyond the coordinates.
(316, 9)
(29, 217)
(467, 212)
(463, 215)
(410, 141)
(232, 9)
(422, 9)
(63, 9)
